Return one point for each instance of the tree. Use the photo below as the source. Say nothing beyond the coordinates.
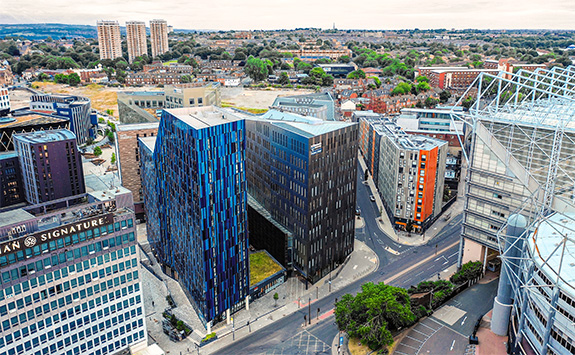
(110, 136)
(444, 96)
(373, 313)
(186, 78)
(276, 297)
(283, 79)
(74, 79)
(468, 102)
(97, 151)
(409, 226)
(43, 77)
(356, 74)
(401, 89)
(421, 78)
(256, 69)
(423, 86)
(303, 66)
(344, 59)
(430, 102)
(376, 81)
(113, 159)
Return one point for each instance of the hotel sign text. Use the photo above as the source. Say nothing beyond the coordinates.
(31, 240)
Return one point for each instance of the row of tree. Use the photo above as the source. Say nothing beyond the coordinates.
(379, 310)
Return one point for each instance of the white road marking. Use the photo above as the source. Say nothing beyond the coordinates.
(463, 321)
(453, 254)
(452, 344)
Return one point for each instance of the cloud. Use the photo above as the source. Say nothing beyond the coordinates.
(252, 14)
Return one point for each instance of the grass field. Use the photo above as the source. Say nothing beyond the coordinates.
(356, 349)
(102, 98)
(261, 267)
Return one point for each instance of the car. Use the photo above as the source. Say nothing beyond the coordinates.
(357, 212)
(372, 198)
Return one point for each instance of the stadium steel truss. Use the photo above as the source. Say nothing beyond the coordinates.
(527, 121)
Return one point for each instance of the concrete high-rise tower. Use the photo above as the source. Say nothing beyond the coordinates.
(109, 40)
(159, 37)
(136, 38)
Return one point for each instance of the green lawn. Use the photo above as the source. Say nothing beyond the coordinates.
(262, 266)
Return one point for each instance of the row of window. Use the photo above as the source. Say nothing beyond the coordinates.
(67, 300)
(83, 347)
(77, 282)
(65, 256)
(80, 324)
(57, 274)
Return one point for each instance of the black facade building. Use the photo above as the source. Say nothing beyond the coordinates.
(302, 171)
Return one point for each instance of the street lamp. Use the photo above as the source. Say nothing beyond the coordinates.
(309, 311)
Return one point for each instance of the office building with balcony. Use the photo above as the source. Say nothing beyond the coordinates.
(302, 174)
(411, 177)
(109, 40)
(195, 185)
(136, 39)
(71, 278)
(50, 165)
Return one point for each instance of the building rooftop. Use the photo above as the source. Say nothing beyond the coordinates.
(45, 136)
(548, 235)
(8, 155)
(303, 125)
(30, 119)
(203, 117)
(141, 93)
(137, 126)
(408, 141)
(149, 142)
(13, 217)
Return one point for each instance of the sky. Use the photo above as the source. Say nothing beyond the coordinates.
(289, 14)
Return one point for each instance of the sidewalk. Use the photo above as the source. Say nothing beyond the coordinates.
(413, 239)
(292, 297)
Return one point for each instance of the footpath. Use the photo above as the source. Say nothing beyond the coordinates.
(413, 239)
(292, 297)
(262, 312)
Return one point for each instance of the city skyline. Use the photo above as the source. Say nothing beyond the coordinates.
(223, 14)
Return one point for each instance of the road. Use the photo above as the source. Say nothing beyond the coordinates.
(288, 336)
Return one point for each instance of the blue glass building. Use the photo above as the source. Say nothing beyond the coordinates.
(302, 171)
(196, 205)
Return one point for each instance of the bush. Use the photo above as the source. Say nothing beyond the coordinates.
(469, 271)
(420, 312)
(208, 337)
(171, 301)
(97, 151)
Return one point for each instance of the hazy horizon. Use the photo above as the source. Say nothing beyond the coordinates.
(290, 14)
